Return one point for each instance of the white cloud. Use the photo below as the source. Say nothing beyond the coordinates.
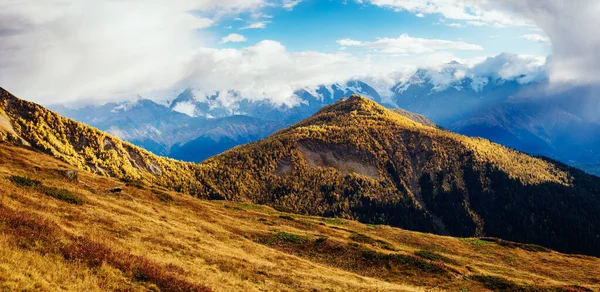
(185, 107)
(420, 15)
(571, 28)
(510, 66)
(477, 23)
(57, 50)
(256, 25)
(468, 10)
(454, 25)
(535, 38)
(409, 45)
(267, 71)
(233, 38)
(290, 4)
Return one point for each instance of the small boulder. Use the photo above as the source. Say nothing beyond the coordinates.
(116, 190)
(71, 175)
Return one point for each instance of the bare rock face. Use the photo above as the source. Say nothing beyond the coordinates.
(344, 158)
(70, 175)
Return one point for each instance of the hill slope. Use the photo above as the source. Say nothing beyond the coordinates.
(63, 230)
(357, 160)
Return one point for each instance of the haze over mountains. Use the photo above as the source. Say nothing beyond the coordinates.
(497, 99)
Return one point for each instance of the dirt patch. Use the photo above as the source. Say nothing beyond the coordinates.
(344, 158)
(284, 166)
(5, 124)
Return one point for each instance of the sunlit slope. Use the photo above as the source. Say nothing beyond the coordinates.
(356, 160)
(66, 231)
(26, 123)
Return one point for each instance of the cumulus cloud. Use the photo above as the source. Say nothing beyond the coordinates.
(267, 71)
(507, 66)
(405, 44)
(233, 38)
(570, 26)
(57, 50)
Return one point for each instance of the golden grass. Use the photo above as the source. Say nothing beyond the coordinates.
(368, 114)
(230, 246)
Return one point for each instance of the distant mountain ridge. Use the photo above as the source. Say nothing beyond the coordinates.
(193, 128)
(510, 106)
(353, 159)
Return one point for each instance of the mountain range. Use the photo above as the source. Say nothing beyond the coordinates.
(521, 111)
(353, 159)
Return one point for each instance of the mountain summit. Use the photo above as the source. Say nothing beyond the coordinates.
(357, 160)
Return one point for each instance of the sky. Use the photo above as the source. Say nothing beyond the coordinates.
(93, 51)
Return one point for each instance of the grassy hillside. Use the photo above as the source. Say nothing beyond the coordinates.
(87, 148)
(353, 160)
(65, 230)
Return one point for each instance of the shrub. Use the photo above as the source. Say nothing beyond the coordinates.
(510, 244)
(57, 193)
(362, 238)
(62, 194)
(496, 283)
(290, 237)
(138, 268)
(334, 221)
(136, 183)
(432, 256)
(286, 217)
(162, 196)
(28, 229)
(24, 181)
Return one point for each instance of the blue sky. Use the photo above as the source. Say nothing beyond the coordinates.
(316, 25)
(92, 51)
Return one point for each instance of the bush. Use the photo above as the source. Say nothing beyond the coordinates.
(510, 244)
(162, 196)
(362, 238)
(24, 181)
(286, 217)
(133, 183)
(57, 193)
(290, 237)
(432, 256)
(62, 194)
(138, 268)
(334, 221)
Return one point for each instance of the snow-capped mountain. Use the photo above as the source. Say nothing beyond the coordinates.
(454, 91)
(516, 108)
(493, 100)
(195, 103)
